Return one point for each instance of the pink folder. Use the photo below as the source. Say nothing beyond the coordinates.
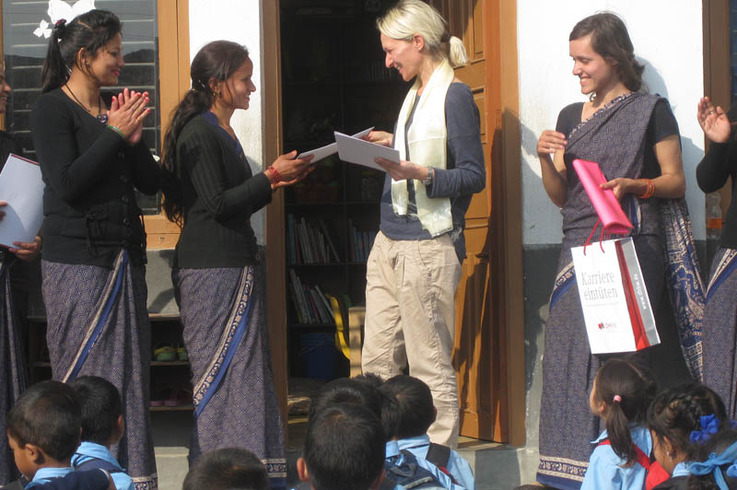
(607, 207)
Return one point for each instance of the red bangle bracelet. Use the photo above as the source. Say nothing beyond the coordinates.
(649, 189)
(275, 174)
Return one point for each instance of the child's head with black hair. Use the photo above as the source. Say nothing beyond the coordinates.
(344, 448)
(43, 427)
(227, 469)
(371, 379)
(346, 390)
(414, 405)
(682, 418)
(716, 464)
(101, 409)
(621, 395)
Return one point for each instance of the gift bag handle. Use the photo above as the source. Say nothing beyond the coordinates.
(601, 236)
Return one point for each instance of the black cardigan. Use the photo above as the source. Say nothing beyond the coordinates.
(720, 163)
(219, 195)
(90, 209)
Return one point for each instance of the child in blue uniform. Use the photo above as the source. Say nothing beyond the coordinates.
(102, 426)
(415, 414)
(43, 430)
(681, 420)
(621, 395)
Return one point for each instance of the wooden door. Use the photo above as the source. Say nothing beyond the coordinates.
(484, 348)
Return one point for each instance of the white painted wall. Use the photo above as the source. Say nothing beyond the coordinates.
(667, 35)
(238, 21)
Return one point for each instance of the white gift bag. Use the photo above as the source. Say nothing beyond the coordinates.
(616, 307)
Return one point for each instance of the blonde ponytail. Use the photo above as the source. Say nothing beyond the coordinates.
(457, 52)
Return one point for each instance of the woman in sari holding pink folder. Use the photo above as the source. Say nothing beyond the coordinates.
(634, 137)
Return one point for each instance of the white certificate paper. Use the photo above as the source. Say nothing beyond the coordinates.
(331, 149)
(362, 152)
(22, 188)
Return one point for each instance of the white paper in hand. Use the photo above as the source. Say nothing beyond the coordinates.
(22, 188)
(362, 152)
(331, 149)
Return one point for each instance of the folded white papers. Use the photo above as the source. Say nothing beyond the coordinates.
(22, 188)
(362, 152)
(331, 149)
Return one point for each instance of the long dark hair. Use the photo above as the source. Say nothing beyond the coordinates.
(91, 31)
(627, 390)
(609, 38)
(216, 60)
(677, 412)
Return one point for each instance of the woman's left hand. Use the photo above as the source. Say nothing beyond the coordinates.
(27, 251)
(403, 170)
(713, 121)
(623, 186)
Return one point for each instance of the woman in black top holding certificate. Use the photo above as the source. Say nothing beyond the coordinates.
(212, 193)
(92, 158)
(13, 278)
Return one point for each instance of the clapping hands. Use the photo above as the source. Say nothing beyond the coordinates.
(127, 112)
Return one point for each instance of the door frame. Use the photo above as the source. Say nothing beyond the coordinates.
(509, 302)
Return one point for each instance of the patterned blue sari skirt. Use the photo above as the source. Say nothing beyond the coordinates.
(720, 329)
(98, 326)
(12, 371)
(224, 321)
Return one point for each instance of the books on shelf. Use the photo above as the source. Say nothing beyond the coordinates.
(310, 303)
(309, 242)
(360, 243)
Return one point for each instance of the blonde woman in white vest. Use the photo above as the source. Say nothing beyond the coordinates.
(415, 264)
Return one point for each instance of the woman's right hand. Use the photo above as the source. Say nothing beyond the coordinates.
(550, 141)
(713, 121)
(289, 170)
(127, 112)
(380, 138)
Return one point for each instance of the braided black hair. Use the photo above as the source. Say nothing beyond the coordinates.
(677, 412)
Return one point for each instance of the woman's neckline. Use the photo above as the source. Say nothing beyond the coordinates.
(101, 117)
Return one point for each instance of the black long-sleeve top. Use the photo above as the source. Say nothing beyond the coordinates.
(220, 193)
(90, 209)
(720, 163)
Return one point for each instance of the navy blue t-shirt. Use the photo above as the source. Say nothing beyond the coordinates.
(465, 173)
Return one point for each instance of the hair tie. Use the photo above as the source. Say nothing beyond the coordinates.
(445, 38)
(617, 399)
(199, 86)
(709, 425)
(60, 24)
(713, 465)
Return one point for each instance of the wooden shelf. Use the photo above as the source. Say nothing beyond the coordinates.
(169, 363)
(178, 408)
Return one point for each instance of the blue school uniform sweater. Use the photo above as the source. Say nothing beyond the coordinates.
(605, 469)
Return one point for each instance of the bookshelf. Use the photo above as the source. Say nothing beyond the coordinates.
(332, 217)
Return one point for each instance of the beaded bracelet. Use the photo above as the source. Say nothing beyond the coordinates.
(649, 190)
(275, 174)
(116, 129)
